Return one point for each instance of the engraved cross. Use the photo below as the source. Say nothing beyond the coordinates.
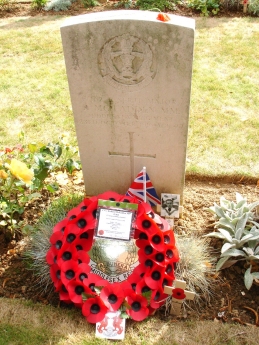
(132, 155)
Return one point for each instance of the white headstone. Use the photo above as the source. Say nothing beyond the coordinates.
(130, 81)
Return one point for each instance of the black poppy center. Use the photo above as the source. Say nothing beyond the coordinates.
(112, 199)
(166, 239)
(136, 306)
(81, 223)
(165, 282)
(95, 309)
(71, 238)
(112, 298)
(62, 229)
(91, 286)
(83, 208)
(143, 236)
(146, 224)
(169, 268)
(156, 239)
(70, 274)
(157, 296)
(160, 257)
(84, 235)
(82, 276)
(133, 286)
(148, 250)
(72, 217)
(64, 288)
(79, 247)
(94, 213)
(58, 244)
(58, 274)
(66, 256)
(126, 200)
(151, 215)
(145, 289)
(169, 253)
(149, 263)
(156, 275)
(79, 289)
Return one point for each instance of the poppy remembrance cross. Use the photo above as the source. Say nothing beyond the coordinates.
(178, 295)
(132, 155)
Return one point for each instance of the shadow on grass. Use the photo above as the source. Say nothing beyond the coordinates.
(19, 23)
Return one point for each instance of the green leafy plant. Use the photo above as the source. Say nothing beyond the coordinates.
(57, 5)
(205, 6)
(24, 171)
(156, 5)
(90, 3)
(253, 7)
(237, 227)
(39, 3)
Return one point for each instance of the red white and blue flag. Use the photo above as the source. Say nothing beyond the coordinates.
(137, 189)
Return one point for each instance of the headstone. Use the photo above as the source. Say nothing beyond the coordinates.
(130, 81)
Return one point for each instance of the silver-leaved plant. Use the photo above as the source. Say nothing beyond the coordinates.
(237, 227)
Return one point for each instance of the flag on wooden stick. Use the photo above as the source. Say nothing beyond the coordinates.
(143, 189)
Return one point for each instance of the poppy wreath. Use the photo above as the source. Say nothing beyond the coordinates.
(142, 292)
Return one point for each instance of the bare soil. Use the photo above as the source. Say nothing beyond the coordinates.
(231, 301)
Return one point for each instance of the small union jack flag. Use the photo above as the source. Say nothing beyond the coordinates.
(137, 189)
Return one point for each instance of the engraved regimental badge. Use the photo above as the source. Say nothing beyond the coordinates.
(127, 61)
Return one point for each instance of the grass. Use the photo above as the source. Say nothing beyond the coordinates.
(25, 323)
(224, 118)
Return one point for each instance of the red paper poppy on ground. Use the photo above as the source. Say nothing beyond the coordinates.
(157, 241)
(147, 225)
(66, 253)
(57, 239)
(112, 296)
(82, 257)
(142, 287)
(178, 293)
(163, 17)
(138, 306)
(63, 294)
(94, 310)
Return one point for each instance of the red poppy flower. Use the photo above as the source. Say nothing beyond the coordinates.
(68, 271)
(169, 271)
(55, 274)
(84, 241)
(147, 225)
(94, 310)
(154, 278)
(61, 225)
(94, 280)
(51, 256)
(63, 294)
(163, 17)
(82, 257)
(171, 254)
(82, 271)
(75, 289)
(142, 287)
(66, 253)
(158, 298)
(158, 257)
(138, 306)
(157, 241)
(178, 293)
(112, 296)
(57, 239)
(169, 238)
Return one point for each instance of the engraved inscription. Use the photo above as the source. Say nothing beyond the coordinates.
(127, 61)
